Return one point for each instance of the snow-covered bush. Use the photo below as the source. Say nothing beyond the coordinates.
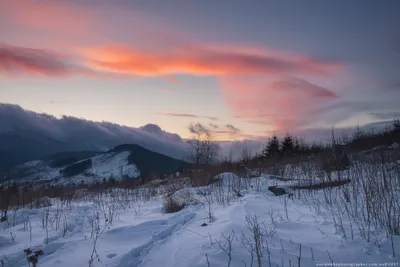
(172, 204)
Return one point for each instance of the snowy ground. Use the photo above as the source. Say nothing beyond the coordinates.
(142, 235)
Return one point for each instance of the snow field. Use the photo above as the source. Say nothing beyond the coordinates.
(138, 233)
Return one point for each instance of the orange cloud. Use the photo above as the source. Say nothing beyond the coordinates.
(201, 60)
(64, 16)
(219, 61)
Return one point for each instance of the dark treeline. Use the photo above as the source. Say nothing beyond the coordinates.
(360, 140)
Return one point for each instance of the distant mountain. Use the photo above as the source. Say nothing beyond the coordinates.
(127, 161)
(27, 136)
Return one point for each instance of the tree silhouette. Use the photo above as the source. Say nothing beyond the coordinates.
(271, 149)
(287, 145)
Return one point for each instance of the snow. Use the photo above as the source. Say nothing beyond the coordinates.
(104, 166)
(113, 165)
(142, 235)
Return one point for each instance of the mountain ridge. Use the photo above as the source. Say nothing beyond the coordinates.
(126, 161)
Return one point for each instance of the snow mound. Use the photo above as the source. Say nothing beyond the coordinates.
(187, 196)
(226, 178)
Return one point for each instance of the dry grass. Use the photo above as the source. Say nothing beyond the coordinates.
(322, 185)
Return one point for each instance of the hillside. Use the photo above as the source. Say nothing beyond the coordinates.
(150, 162)
(66, 158)
(20, 147)
(122, 162)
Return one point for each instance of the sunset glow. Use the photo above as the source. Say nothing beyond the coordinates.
(136, 63)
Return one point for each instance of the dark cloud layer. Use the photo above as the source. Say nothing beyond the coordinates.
(186, 115)
(232, 128)
(103, 135)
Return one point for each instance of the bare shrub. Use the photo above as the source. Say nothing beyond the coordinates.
(254, 226)
(108, 207)
(248, 244)
(187, 196)
(367, 197)
(42, 202)
(206, 193)
(12, 237)
(45, 220)
(65, 227)
(96, 232)
(172, 204)
(226, 189)
(225, 244)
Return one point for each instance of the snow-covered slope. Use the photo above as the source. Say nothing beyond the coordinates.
(104, 166)
(293, 232)
(122, 162)
(113, 164)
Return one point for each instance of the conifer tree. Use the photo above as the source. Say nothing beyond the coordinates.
(272, 147)
(287, 145)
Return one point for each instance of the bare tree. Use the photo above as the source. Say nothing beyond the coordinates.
(245, 155)
(204, 148)
(210, 149)
(225, 244)
(196, 144)
(204, 153)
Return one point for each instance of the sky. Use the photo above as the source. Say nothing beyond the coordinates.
(247, 69)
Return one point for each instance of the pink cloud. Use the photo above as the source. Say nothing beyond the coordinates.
(20, 59)
(15, 60)
(172, 79)
(300, 86)
(64, 16)
(279, 105)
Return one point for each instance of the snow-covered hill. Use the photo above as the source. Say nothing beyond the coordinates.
(122, 162)
(104, 166)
